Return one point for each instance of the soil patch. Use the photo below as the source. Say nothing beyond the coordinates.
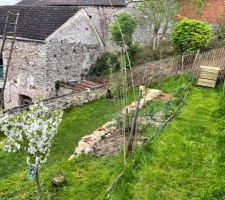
(165, 97)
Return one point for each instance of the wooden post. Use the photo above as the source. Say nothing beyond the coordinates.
(134, 124)
(193, 66)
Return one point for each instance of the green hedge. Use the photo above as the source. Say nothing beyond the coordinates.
(190, 35)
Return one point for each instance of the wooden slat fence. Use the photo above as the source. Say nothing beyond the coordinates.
(190, 62)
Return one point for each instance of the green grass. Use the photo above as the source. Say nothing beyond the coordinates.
(170, 84)
(77, 122)
(84, 173)
(186, 161)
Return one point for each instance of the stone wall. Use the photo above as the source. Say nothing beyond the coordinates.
(71, 50)
(26, 74)
(64, 55)
(68, 100)
(102, 18)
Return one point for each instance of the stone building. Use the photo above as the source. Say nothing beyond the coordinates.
(57, 40)
(53, 43)
(101, 15)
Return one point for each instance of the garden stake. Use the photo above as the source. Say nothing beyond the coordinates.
(134, 123)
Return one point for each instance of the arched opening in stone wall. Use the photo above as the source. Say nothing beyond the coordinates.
(24, 100)
(1, 67)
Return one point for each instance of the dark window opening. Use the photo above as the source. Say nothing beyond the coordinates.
(25, 100)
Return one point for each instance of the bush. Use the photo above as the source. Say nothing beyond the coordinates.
(221, 31)
(132, 52)
(214, 43)
(126, 24)
(180, 91)
(103, 64)
(58, 84)
(221, 34)
(190, 35)
(111, 60)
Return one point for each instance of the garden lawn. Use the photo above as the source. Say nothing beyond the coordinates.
(86, 175)
(187, 160)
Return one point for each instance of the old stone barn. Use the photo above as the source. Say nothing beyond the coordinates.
(56, 40)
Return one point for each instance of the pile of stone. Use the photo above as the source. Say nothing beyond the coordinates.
(89, 143)
(148, 95)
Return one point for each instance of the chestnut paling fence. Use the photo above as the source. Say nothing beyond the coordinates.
(180, 64)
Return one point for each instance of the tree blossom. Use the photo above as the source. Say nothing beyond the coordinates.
(32, 131)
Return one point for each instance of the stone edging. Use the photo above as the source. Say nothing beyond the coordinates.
(68, 100)
(88, 143)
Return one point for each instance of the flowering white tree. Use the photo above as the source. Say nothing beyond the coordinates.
(33, 132)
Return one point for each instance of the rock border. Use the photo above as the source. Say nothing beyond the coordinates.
(88, 143)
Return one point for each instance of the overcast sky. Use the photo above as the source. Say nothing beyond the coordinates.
(8, 2)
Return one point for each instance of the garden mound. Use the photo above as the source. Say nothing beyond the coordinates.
(107, 139)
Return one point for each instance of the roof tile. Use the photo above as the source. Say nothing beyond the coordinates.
(37, 22)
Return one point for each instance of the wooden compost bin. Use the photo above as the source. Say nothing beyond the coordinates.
(208, 76)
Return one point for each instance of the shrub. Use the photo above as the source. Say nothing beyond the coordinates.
(58, 84)
(111, 60)
(221, 31)
(190, 35)
(103, 64)
(180, 91)
(134, 49)
(221, 34)
(126, 24)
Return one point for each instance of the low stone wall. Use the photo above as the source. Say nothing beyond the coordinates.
(68, 100)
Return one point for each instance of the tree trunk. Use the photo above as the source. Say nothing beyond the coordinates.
(38, 185)
(182, 62)
(158, 44)
(154, 43)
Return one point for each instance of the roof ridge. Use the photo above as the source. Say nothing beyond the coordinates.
(74, 2)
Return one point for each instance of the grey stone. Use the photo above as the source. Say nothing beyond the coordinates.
(59, 180)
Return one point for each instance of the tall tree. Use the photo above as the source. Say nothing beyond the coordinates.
(123, 28)
(159, 14)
